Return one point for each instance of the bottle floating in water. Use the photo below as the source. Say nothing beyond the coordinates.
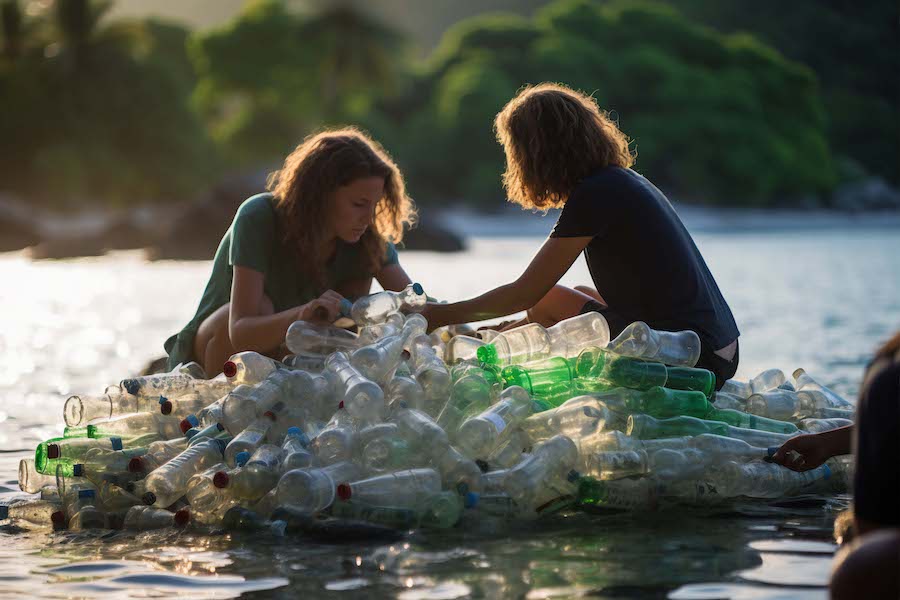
(145, 518)
(248, 367)
(478, 435)
(676, 348)
(85, 514)
(305, 338)
(30, 480)
(313, 490)
(550, 462)
(375, 308)
(30, 513)
(404, 489)
(363, 399)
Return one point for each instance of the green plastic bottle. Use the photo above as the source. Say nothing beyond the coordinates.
(645, 427)
(622, 494)
(68, 451)
(737, 418)
(538, 378)
(688, 378)
(663, 402)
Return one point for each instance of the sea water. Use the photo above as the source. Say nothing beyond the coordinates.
(817, 299)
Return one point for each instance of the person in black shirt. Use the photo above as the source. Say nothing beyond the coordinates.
(563, 151)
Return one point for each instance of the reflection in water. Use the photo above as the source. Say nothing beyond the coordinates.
(76, 326)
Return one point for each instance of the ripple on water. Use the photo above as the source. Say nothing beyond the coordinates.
(739, 591)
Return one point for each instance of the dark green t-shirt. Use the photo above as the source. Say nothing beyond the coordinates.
(253, 241)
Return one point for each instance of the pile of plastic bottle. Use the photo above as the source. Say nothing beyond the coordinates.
(393, 427)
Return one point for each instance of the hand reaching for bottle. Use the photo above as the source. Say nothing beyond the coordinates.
(326, 307)
(803, 452)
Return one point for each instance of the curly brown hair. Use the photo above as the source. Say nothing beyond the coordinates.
(553, 138)
(304, 186)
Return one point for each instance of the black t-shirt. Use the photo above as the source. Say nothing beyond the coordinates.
(642, 259)
(877, 474)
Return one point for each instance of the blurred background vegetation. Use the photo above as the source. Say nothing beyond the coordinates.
(729, 102)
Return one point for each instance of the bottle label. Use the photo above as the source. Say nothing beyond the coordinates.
(497, 421)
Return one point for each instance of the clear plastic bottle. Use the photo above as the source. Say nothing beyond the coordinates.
(253, 436)
(820, 425)
(767, 380)
(98, 465)
(462, 347)
(115, 498)
(404, 489)
(147, 426)
(459, 473)
(85, 514)
(392, 325)
(30, 513)
(725, 400)
(676, 348)
(612, 465)
(551, 460)
(284, 386)
(210, 494)
(313, 490)
(624, 494)
(375, 308)
(424, 435)
(176, 381)
(335, 442)
(388, 454)
(509, 453)
(389, 516)
(570, 336)
(363, 399)
(404, 391)
(478, 435)
(621, 371)
(805, 384)
(248, 367)
(197, 434)
(30, 481)
(646, 427)
(296, 450)
(768, 480)
(145, 518)
(168, 483)
(578, 417)
(305, 338)
(431, 373)
(259, 474)
(378, 361)
(81, 410)
(720, 449)
(469, 395)
(737, 388)
(522, 344)
(182, 406)
(780, 404)
(749, 421)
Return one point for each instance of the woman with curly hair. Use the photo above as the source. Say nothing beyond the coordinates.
(562, 151)
(324, 230)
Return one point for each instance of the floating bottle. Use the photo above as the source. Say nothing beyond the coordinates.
(30, 480)
(248, 367)
(375, 308)
(478, 435)
(405, 489)
(30, 513)
(305, 338)
(676, 348)
(551, 460)
(145, 518)
(362, 398)
(85, 514)
(168, 483)
(313, 490)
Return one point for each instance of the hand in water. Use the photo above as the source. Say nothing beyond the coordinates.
(803, 452)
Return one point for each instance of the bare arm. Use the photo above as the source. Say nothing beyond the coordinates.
(393, 277)
(546, 268)
(249, 330)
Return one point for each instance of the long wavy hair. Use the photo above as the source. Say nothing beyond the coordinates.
(553, 138)
(305, 185)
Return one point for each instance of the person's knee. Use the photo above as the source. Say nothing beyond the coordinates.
(867, 567)
(589, 291)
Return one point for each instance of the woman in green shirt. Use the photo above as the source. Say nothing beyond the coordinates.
(326, 228)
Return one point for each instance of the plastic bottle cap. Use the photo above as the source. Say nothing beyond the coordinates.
(270, 415)
(827, 471)
(340, 405)
(86, 494)
(293, 431)
(163, 399)
(132, 386)
(417, 288)
(53, 451)
(149, 498)
(136, 465)
(220, 427)
(188, 422)
(346, 306)
(4, 512)
(470, 500)
(229, 369)
(165, 407)
(58, 519)
(221, 479)
(573, 476)
(344, 492)
(182, 517)
(116, 443)
(77, 470)
(241, 458)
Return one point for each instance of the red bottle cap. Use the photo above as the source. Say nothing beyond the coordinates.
(229, 369)
(340, 405)
(136, 465)
(53, 451)
(270, 414)
(184, 425)
(166, 408)
(344, 492)
(221, 479)
(182, 517)
(58, 519)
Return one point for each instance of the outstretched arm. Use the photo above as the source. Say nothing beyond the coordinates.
(546, 268)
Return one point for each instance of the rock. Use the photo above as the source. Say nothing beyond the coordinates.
(123, 233)
(17, 229)
(67, 247)
(430, 234)
(867, 194)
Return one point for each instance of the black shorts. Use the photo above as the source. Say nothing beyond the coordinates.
(723, 369)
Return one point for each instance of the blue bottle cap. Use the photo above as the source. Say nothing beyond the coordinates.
(4, 512)
(132, 386)
(193, 420)
(163, 399)
(77, 470)
(191, 432)
(346, 305)
(470, 500)
(827, 471)
(85, 494)
(116, 443)
(417, 288)
(241, 458)
(293, 431)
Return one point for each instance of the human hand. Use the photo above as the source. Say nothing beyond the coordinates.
(326, 307)
(803, 452)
